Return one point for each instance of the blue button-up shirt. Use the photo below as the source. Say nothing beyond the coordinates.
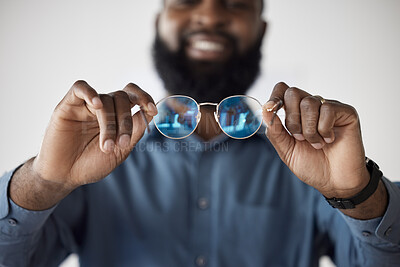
(191, 203)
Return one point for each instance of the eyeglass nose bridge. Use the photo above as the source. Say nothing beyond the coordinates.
(209, 104)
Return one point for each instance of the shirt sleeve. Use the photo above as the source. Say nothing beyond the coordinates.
(15, 220)
(379, 238)
(27, 238)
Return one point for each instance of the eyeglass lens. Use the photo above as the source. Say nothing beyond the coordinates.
(177, 116)
(239, 116)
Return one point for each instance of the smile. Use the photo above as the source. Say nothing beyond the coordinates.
(208, 46)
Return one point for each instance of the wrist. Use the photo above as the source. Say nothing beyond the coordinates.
(362, 181)
(375, 206)
(362, 201)
(44, 179)
(30, 191)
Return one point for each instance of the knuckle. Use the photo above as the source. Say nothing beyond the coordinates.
(291, 93)
(352, 110)
(80, 84)
(111, 128)
(278, 88)
(106, 98)
(293, 123)
(310, 117)
(310, 127)
(120, 94)
(327, 109)
(146, 97)
(308, 103)
(327, 113)
(324, 131)
(309, 132)
(354, 114)
(313, 138)
(126, 125)
(293, 127)
(131, 87)
(295, 92)
(140, 93)
(281, 84)
(311, 122)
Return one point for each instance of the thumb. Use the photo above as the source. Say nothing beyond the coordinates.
(140, 121)
(276, 132)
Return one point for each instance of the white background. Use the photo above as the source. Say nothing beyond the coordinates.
(345, 50)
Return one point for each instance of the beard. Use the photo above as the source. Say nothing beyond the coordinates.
(206, 81)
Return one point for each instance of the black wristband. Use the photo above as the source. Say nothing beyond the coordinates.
(350, 203)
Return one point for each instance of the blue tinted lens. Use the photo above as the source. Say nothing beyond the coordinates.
(240, 116)
(177, 116)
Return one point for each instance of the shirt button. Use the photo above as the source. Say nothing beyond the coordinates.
(366, 233)
(201, 261)
(203, 203)
(12, 222)
(388, 231)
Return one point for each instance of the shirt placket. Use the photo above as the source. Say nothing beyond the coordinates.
(202, 211)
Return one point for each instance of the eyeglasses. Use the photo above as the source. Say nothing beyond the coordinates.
(238, 116)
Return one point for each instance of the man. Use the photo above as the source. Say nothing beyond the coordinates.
(98, 189)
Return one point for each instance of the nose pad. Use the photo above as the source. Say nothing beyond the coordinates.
(198, 116)
(216, 117)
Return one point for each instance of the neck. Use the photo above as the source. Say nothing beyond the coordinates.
(208, 127)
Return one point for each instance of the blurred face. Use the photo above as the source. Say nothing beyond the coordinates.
(211, 30)
(209, 49)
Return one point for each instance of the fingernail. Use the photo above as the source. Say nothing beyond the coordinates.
(96, 101)
(109, 145)
(328, 140)
(270, 105)
(299, 137)
(124, 140)
(152, 109)
(317, 145)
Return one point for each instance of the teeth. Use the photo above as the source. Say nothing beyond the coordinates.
(208, 46)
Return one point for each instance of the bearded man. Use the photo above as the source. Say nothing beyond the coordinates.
(259, 202)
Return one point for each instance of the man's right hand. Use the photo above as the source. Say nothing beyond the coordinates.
(88, 136)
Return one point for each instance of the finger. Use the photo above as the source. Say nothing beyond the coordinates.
(335, 114)
(107, 123)
(139, 126)
(82, 93)
(327, 118)
(122, 107)
(141, 98)
(292, 99)
(277, 96)
(309, 109)
(278, 135)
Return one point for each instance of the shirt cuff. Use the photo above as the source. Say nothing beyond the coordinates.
(15, 220)
(382, 230)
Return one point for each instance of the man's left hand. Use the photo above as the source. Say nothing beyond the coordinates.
(322, 143)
